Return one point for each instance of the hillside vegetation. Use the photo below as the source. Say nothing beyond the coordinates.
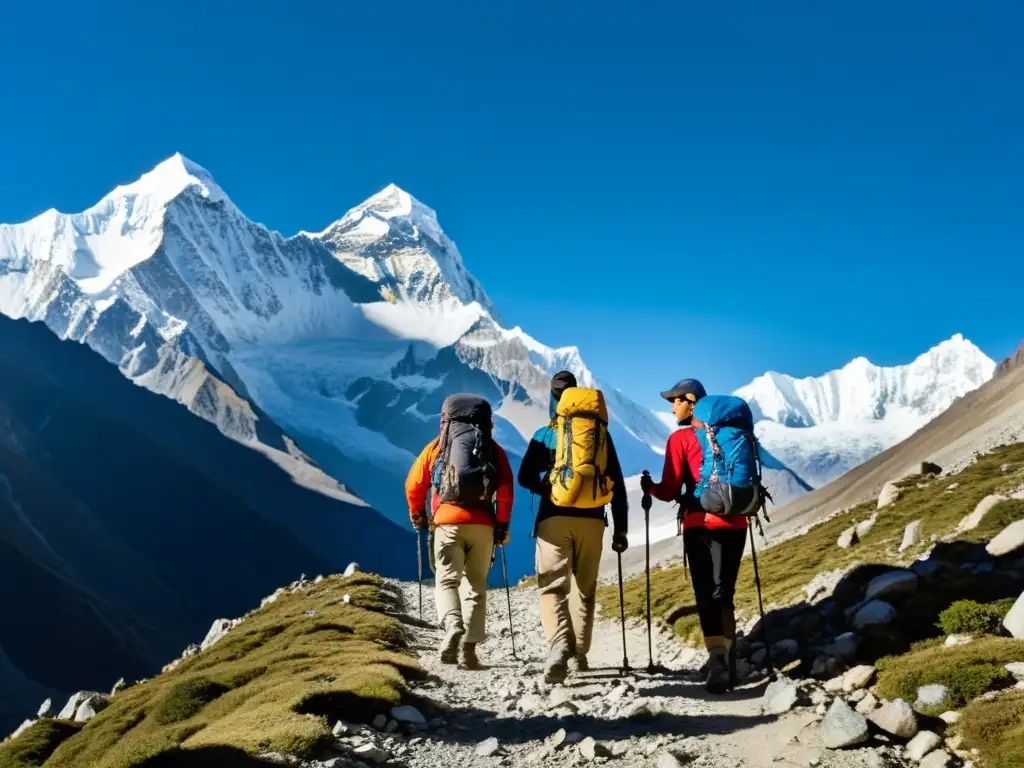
(274, 683)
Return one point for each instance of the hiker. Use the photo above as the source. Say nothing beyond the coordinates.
(573, 490)
(712, 544)
(471, 508)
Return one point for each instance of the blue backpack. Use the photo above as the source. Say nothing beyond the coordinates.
(730, 478)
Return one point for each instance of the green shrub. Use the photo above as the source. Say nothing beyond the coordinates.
(996, 729)
(966, 617)
(36, 744)
(186, 699)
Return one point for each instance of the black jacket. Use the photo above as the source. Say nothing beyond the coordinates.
(537, 465)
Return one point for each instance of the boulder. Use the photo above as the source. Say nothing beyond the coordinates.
(930, 468)
(21, 729)
(923, 743)
(380, 722)
(834, 685)
(1015, 668)
(889, 495)
(76, 700)
(91, 707)
(785, 651)
(45, 709)
(984, 506)
(341, 728)
(874, 613)
(842, 727)
(824, 666)
(858, 677)
(896, 718)
(1010, 539)
(931, 695)
(847, 538)
(940, 758)
(487, 747)
(894, 584)
(1014, 620)
(911, 535)
(843, 647)
(857, 696)
(779, 697)
(409, 716)
(759, 658)
(868, 704)
(351, 570)
(863, 528)
(591, 749)
(218, 629)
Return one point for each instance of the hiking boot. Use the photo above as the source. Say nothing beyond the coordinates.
(557, 665)
(469, 657)
(449, 649)
(582, 665)
(718, 671)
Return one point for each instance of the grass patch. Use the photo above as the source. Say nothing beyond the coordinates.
(967, 617)
(966, 670)
(275, 683)
(36, 744)
(996, 729)
(789, 566)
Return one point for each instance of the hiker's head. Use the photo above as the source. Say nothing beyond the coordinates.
(560, 382)
(682, 397)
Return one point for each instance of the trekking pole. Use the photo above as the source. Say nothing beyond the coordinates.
(419, 565)
(622, 618)
(508, 599)
(760, 606)
(645, 502)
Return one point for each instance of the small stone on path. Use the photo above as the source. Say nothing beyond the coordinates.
(487, 747)
(923, 743)
(842, 727)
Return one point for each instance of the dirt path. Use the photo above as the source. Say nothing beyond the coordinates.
(637, 719)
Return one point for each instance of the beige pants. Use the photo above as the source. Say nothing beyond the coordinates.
(462, 557)
(568, 559)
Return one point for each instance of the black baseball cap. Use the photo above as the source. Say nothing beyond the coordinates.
(683, 388)
(560, 382)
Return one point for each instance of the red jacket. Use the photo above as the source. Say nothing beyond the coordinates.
(417, 485)
(683, 461)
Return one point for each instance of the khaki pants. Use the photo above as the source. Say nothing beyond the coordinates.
(568, 559)
(462, 557)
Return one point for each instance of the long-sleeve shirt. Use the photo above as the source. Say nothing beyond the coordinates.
(537, 465)
(683, 461)
(417, 486)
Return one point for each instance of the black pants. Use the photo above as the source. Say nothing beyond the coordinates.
(714, 557)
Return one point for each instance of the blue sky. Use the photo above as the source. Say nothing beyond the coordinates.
(682, 189)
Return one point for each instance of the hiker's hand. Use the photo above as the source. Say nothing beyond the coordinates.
(419, 520)
(646, 483)
(620, 543)
(501, 535)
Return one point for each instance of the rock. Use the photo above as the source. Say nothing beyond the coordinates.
(218, 629)
(1015, 668)
(863, 528)
(857, 696)
(923, 743)
(341, 729)
(21, 729)
(91, 707)
(119, 686)
(867, 705)
(392, 726)
(897, 718)
(821, 709)
(911, 535)
(818, 696)
(844, 647)
(73, 704)
(950, 718)
(759, 658)
(346, 599)
(785, 651)
(409, 716)
(1010, 539)
(573, 738)
(558, 738)
(985, 506)
(779, 697)
(895, 584)
(874, 613)
(380, 722)
(835, 685)
(842, 727)
(847, 538)
(559, 696)
(45, 709)
(889, 495)
(591, 749)
(824, 666)
(930, 468)
(487, 747)
(531, 702)
(858, 677)
(351, 570)
(672, 759)
(953, 640)
(940, 758)
(372, 752)
(931, 695)
(1014, 620)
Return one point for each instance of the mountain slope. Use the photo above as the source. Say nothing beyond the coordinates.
(823, 427)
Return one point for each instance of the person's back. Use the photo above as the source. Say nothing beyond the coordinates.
(471, 508)
(571, 519)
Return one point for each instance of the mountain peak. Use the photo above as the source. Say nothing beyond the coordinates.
(169, 179)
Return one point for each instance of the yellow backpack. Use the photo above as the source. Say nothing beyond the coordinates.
(581, 452)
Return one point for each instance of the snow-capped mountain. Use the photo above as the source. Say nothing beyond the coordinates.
(821, 427)
(330, 351)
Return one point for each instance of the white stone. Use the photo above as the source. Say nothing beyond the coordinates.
(940, 758)
(857, 696)
(341, 728)
(889, 494)
(346, 599)
(559, 696)
(218, 629)
(900, 583)
(45, 709)
(931, 695)
(842, 727)
(974, 519)
(372, 753)
(847, 538)
(22, 728)
(1010, 539)
(1016, 668)
(89, 708)
(867, 705)
(858, 677)
(591, 749)
(531, 702)
(874, 612)
(897, 718)
(351, 570)
(1014, 620)
(923, 743)
(779, 697)
(864, 527)
(835, 685)
(950, 718)
(911, 535)
(487, 747)
(409, 716)
(73, 704)
(669, 759)
(954, 640)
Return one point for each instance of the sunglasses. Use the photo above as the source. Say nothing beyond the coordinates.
(681, 400)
